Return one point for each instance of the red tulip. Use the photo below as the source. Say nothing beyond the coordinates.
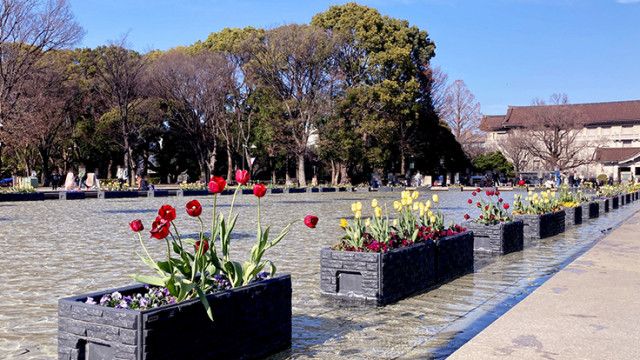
(259, 190)
(311, 221)
(205, 247)
(486, 207)
(478, 204)
(136, 225)
(217, 184)
(242, 177)
(194, 208)
(481, 217)
(497, 192)
(470, 201)
(506, 206)
(474, 193)
(167, 212)
(522, 183)
(478, 190)
(466, 216)
(160, 228)
(488, 193)
(500, 200)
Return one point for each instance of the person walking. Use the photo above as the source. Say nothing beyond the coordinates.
(122, 175)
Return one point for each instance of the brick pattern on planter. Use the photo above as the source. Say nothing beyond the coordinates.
(573, 216)
(501, 238)
(249, 322)
(542, 226)
(381, 278)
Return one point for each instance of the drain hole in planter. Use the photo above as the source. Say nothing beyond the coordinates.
(89, 350)
(349, 282)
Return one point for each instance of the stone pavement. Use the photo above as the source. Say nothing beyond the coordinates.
(588, 310)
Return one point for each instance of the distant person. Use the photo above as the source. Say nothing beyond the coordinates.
(122, 175)
(55, 180)
(143, 184)
(70, 181)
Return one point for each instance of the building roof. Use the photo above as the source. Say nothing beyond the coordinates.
(616, 155)
(491, 122)
(590, 114)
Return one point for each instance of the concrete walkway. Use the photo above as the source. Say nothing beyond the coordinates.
(589, 310)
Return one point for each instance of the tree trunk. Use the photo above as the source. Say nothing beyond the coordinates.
(344, 176)
(402, 161)
(229, 165)
(44, 154)
(273, 171)
(302, 181)
(212, 163)
(334, 174)
(109, 169)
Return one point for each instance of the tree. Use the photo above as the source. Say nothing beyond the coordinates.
(28, 30)
(461, 111)
(195, 87)
(294, 62)
(119, 72)
(553, 135)
(493, 161)
(515, 147)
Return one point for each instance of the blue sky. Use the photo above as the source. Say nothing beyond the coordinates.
(507, 51)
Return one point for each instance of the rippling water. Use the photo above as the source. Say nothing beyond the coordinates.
(54, 249)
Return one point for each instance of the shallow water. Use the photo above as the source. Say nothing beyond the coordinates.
(55, 249)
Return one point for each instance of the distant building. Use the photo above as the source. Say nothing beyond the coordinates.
(609, 130)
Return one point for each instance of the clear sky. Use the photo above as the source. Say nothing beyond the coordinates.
(507, 51)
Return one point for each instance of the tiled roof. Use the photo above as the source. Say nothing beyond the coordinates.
(605, 113)
(607, 155)
(491, 122)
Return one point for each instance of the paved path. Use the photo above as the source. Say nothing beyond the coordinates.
(589, 310)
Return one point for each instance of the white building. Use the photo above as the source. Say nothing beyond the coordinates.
(609, 130)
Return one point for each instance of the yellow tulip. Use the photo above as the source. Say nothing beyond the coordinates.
(530, 193)
(404, 202)
(430, 213)
(367, 222)
(428, 204)
(435, 198)
(378, 212)
(358, 214)
(432, 219)
(395, 222)
(343, 223)
(416, 206)
(358, 206)
(374, 203)
(397, 205)
(415, 195)
(353, 207)
(421, 211)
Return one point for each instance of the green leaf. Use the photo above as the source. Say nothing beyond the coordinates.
(205, 303)
(151, 280)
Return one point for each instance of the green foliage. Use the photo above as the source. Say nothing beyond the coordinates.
(493, 161)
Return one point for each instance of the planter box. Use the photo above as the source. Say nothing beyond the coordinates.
(277, 191)
(314, 190)
(604, 205)
(501, 238)
(35, 196)
(157, 193)
(379, 278)
(591, 210)
(117, 194)
(296, 190)
(627, 198)
(542, 226)
(328, 189)
(573, 216)
(344, 189)
(454, 256)
(71, 195)
(192, 192)
(250, 322)
(615, 202)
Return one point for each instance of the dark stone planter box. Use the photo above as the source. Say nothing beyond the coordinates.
(277, 191)
(192, 193)
(385, 189)
(343, 189)
(247, 191)
(379, 278)
(384, 278)
(157, 193)
(117, 194)
(328, 189)
(627, 198)
(543, 226)
(615, 202)
(71, 195)
(573, 216)
(591, 210)
(36, 196)
(296, 190)
(314, 190)
(501, 238)
(604, 204)
(250, 322)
